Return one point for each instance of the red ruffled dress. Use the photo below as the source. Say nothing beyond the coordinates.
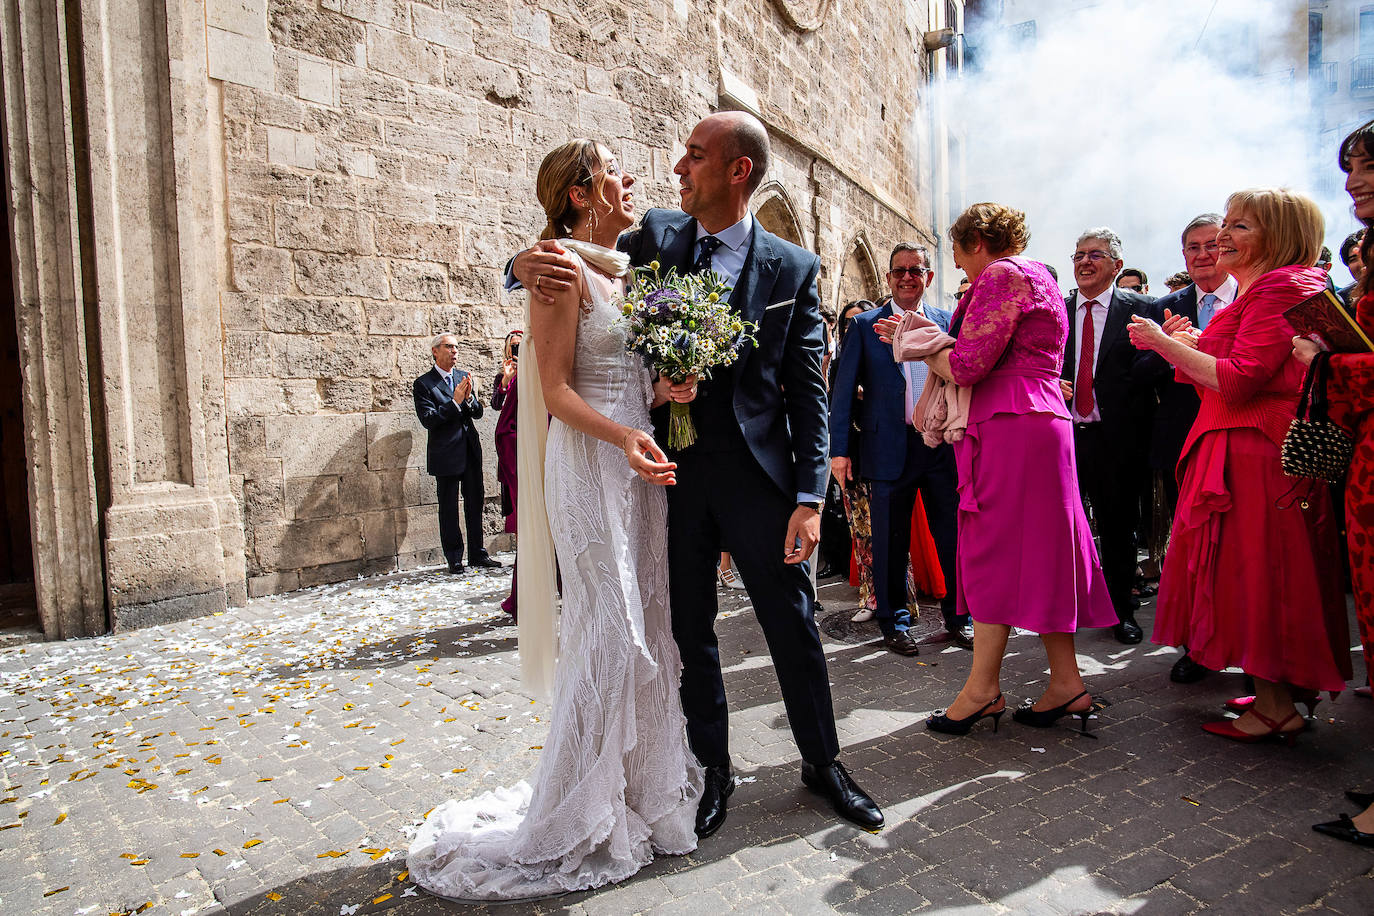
(1252, 579)
(1351, 396)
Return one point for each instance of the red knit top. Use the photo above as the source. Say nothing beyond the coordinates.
(1259, 379)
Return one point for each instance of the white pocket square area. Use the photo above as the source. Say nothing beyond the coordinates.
(778, 305)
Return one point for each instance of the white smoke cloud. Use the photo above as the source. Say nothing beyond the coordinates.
(1135, 116)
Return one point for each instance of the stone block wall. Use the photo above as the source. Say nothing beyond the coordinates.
(378, 162)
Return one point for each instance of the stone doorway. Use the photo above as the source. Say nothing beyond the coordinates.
(18, 606)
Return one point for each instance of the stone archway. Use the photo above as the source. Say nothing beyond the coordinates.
(776, 213)
(859, 277)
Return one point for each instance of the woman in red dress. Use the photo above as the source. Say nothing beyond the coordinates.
(1351, 397)
(1251, 578)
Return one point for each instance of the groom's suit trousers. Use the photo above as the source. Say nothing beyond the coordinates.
(724, 500)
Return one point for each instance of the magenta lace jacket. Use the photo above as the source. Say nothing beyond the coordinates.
(1013, 317)
(1011, 328)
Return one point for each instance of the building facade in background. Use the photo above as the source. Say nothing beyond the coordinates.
(234, 225)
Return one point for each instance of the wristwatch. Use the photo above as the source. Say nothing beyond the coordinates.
(813, 504)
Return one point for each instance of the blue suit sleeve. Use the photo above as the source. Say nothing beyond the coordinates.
(843, 391)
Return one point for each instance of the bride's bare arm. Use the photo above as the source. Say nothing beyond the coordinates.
(554, 329)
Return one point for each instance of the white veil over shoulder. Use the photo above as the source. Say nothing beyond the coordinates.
(535, 576)
(536, 572)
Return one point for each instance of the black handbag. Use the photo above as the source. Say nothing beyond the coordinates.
(1314, 446)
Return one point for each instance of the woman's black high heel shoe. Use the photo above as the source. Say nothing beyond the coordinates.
(945, 725)
(1028, 716)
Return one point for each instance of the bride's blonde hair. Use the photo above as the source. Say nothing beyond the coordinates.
(577, 163)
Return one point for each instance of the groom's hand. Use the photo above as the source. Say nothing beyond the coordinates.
(842, 468)
(803, 534)
(544, 270)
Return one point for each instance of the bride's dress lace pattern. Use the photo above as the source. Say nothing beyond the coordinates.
(616, 782)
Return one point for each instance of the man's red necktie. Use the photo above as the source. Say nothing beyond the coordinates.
(1083, 401)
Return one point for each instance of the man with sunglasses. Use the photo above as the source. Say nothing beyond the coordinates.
(896, 462)
(1112, 412)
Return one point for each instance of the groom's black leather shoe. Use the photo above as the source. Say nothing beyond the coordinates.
(485, 561)
(720, 782)
(850, 802)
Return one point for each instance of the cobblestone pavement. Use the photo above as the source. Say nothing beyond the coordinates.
(273, 758)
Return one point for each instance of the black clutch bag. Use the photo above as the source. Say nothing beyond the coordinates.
(1314, 446)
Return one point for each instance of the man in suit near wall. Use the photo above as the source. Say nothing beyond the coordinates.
(446, 406)
(754, 481)
(1112, 412)
(897, 462)
(1212, 290)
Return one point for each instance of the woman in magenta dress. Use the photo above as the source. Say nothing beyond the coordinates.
(505, 398)
(1025, 555)
(1252, 577)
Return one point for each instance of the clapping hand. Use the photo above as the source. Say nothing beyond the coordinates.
(462, 390)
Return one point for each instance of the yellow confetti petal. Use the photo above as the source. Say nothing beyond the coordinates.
(56, 891)
(128, 855)
(331, 854)
(251, 843)
(403, 875)
(139, 862)
(190, 855)
(220, 852)
(273, 896)
(382, 899)
(60, 818)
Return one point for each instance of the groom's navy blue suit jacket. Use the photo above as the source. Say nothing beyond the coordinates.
(865, 360)
(779, 391)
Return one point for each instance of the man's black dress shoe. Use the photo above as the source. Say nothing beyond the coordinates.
(1187, 671)
(486, 562)
(962, 636)
(720, 782)
(1128, 632)
(1363, 799)
(826, 572)
(902, 643)
(850, 802)
(457, 568)
(1344, 829)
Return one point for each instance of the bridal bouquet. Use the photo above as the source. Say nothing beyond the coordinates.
(683, 326)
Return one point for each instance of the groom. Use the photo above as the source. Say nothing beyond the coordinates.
(753, 482)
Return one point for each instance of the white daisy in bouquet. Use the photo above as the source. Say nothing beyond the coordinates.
(683, 326)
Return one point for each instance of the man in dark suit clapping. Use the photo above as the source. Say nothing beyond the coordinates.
(897, 462)
(1212, 290)
(1112, 412)
(445, 404)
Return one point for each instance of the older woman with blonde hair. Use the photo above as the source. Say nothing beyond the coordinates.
(1025, 557)
(1251, 578)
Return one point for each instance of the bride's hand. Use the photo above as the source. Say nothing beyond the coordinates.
(665, 390)
(647, 459)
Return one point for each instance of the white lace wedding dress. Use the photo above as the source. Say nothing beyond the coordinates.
(616, 782)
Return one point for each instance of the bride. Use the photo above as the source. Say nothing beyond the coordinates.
(616, 782)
